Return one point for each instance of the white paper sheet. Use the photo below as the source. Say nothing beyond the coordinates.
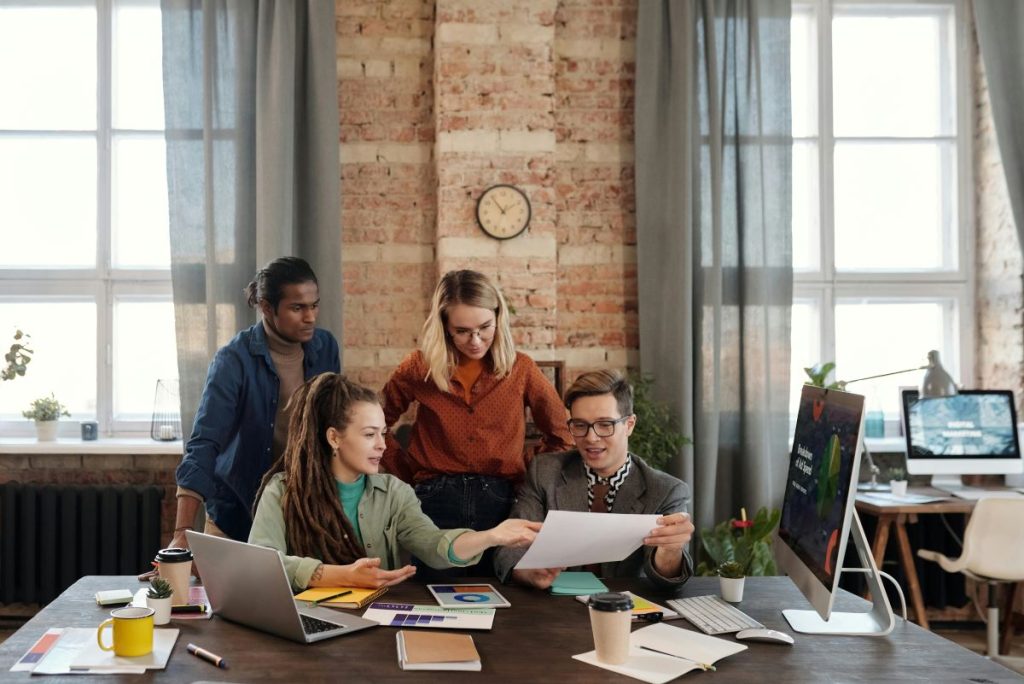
(647, 666)
(685, 643)
(569, 539)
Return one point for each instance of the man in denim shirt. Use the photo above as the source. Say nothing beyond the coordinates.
(241, 425)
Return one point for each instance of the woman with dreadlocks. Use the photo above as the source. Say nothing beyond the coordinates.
(335, 520)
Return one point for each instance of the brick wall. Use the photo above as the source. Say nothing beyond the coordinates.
(440, 100)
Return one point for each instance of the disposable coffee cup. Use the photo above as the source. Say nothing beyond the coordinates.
(610, 617)
(175, 566)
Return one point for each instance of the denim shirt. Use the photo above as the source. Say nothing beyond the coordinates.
(230, 447)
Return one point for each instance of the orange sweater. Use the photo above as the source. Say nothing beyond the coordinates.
(483, 436)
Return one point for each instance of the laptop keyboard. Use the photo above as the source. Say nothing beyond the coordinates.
(712, 615)
(311, 625)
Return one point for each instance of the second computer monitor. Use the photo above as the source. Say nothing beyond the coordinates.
(971, 433)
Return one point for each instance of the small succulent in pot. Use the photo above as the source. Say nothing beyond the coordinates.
(159, 588)
(731, 570)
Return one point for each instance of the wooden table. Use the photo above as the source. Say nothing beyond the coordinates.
(531, 642)
(896, 516)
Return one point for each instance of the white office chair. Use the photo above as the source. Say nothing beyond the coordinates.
(993, 553)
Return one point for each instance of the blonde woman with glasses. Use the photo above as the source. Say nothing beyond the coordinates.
(465, 455)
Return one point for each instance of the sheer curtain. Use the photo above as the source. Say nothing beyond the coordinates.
(714, 247)
(250, 96)
(1000, 26)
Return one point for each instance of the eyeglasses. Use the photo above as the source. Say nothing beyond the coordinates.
(484, 332)
(602, 428)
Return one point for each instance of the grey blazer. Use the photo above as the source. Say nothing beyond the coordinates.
(559, 482)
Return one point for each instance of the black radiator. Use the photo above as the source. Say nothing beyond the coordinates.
(50, 535)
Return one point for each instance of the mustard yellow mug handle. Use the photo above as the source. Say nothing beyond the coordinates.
(99, 634)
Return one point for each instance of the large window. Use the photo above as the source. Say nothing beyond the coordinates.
(882, 235)
(84, 267)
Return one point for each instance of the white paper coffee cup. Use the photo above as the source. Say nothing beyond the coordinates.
(611, 615)
(175, 566)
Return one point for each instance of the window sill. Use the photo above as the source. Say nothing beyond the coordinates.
(109, 445)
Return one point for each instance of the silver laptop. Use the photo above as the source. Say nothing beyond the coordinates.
(234, 572)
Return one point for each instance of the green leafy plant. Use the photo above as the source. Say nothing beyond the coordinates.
(17, 358)
(46, 408)
(819, 373)
(655, 438)
(159, 588)
(897, 473)
(745, 542)
(731, 570)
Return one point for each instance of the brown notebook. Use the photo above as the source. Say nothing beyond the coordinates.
(424, 650)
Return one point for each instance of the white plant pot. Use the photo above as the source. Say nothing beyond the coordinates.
(899, 487)
(46, 430)
(163, 609)
(732, 588)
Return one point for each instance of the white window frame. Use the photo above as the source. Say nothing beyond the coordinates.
(102, 284)
(827, 285)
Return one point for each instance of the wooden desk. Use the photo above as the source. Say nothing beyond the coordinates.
(532, 641)
(898, 515)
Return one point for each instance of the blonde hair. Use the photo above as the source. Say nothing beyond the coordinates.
(472, 289)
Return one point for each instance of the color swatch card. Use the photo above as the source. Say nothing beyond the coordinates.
(468, 596)
(435, 617)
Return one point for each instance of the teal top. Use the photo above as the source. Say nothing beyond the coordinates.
(391, 521)
(350, 494)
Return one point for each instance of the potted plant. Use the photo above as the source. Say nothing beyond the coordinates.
(743, 541)
(730, 580)
(46, 412)
(159, 599)
(655, 437)
(898, 480)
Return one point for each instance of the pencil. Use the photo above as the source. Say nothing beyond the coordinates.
(332, 596)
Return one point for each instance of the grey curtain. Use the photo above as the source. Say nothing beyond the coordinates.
(1000, 26)
(250, 98)
(714, 247)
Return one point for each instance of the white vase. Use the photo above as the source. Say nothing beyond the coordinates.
(162, 608)
(46, 430)
(899, 487)
(732, 588)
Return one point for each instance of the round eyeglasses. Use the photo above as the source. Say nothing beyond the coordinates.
(602, 428)
(484, 332)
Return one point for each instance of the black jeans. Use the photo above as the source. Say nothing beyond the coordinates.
(478, 502)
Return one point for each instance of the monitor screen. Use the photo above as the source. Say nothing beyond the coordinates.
(820, 490)
(973, 432)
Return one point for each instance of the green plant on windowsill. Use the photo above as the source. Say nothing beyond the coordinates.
(17, 358)
(655, 437)
(819, 373)
(45, 409)
(745, 542)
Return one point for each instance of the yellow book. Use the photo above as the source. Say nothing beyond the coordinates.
(340, 597)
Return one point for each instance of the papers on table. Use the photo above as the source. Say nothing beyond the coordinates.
(577, 584)
(73, 650)
(569, 539)
(409, 615)
(644, 609)
(428, 651)
(661, 652)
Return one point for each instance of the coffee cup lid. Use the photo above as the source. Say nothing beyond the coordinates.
(173, 555)
(610, 602)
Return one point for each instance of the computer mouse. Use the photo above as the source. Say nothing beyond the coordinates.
(769, 635)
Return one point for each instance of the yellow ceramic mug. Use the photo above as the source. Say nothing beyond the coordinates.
(133, 631)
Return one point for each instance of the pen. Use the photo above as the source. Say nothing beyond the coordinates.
(332, 596)
(211, 658)
(704, 666)
(189, 608)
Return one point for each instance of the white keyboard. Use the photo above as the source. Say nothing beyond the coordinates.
(713, 615)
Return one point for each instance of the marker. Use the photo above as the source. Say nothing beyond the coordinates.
(189, 608)
(332, 596)
(211, 658)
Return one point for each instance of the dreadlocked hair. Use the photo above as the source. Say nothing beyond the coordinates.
(315, 522)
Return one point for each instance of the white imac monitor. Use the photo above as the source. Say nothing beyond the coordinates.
(818, 515)
(971, 433)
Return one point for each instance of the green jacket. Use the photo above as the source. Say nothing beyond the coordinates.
(390, 520)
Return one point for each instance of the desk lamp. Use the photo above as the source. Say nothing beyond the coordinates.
(936, 384)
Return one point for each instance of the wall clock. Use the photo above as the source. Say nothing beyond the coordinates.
(503, 211)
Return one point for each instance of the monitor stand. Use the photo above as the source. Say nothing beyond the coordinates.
(951, 484)
(878, 621)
